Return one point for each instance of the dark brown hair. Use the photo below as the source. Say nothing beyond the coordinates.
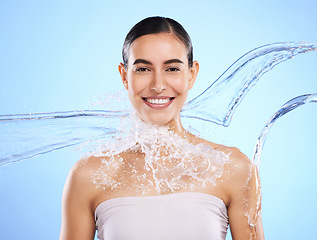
(153, 25)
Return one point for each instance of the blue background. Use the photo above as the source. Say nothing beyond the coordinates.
(57, 55)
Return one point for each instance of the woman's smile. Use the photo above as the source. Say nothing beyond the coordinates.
(158, 102)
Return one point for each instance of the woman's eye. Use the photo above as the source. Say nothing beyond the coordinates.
(173, 69)
(142, 69)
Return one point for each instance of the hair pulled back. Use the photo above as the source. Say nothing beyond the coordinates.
(153, 25)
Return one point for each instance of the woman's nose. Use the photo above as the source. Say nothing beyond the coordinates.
(158, 83)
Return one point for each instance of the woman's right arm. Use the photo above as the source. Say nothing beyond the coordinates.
(77, 214)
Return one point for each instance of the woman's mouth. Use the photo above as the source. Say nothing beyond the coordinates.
(158, 102)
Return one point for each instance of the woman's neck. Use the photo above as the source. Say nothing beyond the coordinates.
(175, 125)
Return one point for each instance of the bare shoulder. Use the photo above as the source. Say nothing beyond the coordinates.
(234, 152)
(83, 169)
(239, 165)
(80, 178)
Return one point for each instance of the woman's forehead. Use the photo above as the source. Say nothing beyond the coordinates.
(158, 46)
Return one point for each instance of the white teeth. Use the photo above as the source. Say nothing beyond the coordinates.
(158, 101)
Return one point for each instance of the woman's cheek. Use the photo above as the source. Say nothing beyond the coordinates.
(180, 85)
(138, 84)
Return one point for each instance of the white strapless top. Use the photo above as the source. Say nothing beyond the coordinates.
(178, 216)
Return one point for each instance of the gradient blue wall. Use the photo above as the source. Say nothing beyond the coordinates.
(57, 55)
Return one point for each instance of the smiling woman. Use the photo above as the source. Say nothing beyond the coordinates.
(158, 77)
(161, 181)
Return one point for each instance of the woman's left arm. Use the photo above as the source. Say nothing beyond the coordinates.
(244, 209)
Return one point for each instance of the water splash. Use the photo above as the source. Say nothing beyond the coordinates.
(219, 101)
(23, 136)
(161, 159)
(287, 107)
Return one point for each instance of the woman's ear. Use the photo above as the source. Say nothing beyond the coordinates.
(193, 74)
(123, 74)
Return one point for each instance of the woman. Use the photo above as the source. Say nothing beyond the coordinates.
(168, 184)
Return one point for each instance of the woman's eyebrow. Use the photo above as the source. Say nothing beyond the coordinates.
(175, 60)
(139, 60)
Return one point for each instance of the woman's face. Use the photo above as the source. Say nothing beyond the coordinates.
(158, 77)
